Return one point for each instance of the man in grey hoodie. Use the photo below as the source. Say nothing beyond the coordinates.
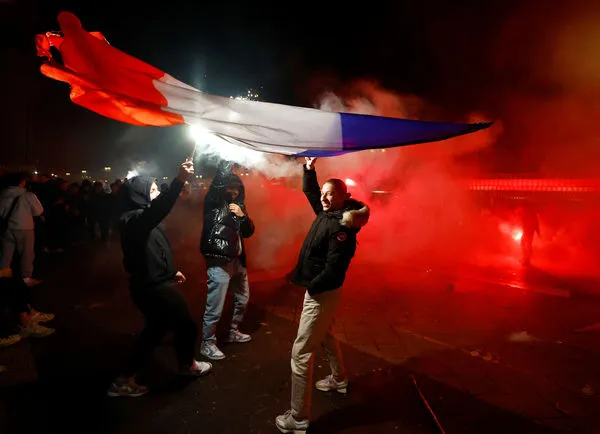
(18, 207)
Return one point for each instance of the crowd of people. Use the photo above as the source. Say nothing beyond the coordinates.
(42, 215)
(52, 214)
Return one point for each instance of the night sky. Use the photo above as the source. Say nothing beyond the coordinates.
(289, 52)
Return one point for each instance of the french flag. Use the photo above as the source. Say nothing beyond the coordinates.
(119, 86)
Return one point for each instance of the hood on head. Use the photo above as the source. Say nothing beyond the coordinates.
(136, 192)
(237, 181)
(356, 214)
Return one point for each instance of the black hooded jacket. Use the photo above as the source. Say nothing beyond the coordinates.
(147, 254)
(223, 231)
(331, 241)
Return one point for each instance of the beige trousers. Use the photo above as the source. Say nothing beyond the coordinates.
(315, 324)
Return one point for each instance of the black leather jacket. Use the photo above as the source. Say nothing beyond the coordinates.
(223, 231)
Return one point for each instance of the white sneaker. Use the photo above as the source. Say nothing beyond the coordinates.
(197, 369)
(39, 317)
(286, 423)
(211, 351)
(237, 336)
(34, 330)
(329, 383)
(10, 340)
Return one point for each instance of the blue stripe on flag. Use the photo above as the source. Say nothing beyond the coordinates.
(323, 153)
(365, 132)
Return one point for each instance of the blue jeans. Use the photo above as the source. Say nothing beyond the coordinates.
(231, 276)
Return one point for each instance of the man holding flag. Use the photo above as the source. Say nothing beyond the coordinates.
(153, 279)
(324, 259)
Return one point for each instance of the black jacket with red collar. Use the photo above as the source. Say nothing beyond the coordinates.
(330, 243)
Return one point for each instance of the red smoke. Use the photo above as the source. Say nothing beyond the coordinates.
(424, 216)
(537, 75)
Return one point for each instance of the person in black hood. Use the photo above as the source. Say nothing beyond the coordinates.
(226, 224)
(324, 259)
(148, 259)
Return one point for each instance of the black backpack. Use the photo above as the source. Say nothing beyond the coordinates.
(4, 220)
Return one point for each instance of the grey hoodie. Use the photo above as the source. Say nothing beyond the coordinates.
(27, 207)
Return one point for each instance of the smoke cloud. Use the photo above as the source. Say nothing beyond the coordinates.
(538, 81)
(211, 148)
(537, 70)
(420, 209)
(145, 168)
(550, 111)
(415, 193)
(542, 79)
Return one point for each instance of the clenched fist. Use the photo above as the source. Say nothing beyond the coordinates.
(310, 162)
(236, 209)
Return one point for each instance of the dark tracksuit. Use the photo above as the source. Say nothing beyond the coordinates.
(14, 300)
(148, 259)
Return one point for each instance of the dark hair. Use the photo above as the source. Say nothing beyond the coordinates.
(338, 185)
(14, 179)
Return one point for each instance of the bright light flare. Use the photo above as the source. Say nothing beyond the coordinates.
(208, 143)
(514, 232)
(350, 182)
(517, 235)
(132, 174)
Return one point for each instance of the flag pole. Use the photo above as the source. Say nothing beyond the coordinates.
(191, 157)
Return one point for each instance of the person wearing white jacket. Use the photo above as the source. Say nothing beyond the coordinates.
(18, 207)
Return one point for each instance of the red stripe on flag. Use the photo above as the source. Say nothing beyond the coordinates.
(104, 79)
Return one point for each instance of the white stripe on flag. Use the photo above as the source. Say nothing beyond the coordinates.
(258, 125)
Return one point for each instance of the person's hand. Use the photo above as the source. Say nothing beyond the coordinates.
(236, 209)
(310, 162)
(179, 277)
(185, 170)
